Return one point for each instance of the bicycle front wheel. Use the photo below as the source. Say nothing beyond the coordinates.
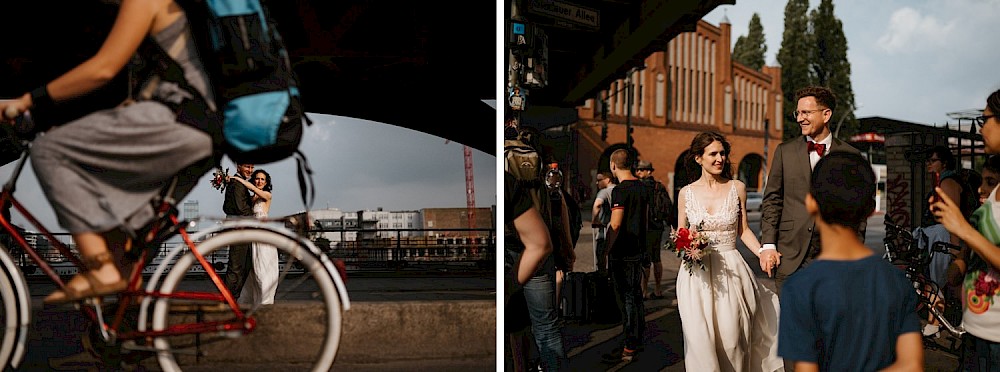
(300, 331)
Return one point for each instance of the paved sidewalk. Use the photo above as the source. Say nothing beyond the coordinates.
(664, 349)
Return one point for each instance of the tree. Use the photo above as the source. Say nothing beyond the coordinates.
(830, 65)
(750, 50)
(794, 55)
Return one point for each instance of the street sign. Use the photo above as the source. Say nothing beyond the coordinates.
(517, 28)
(566, 11)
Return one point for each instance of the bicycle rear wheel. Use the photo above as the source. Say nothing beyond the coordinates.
(12, 312)
(301, 330)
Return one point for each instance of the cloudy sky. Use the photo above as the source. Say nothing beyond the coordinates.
(357, 164)
(912, 60)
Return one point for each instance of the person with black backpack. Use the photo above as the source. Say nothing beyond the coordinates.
(527, 247)
(659, 220)
(100, 171)
(524, 162)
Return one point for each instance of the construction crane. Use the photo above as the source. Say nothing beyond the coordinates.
(470, 188)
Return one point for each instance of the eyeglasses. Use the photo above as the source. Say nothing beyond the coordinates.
(807, 112)
(981, 120)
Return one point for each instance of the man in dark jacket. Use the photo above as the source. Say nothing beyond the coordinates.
(238, 204)
(660, 219)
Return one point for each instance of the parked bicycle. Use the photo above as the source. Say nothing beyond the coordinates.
(182, 314)
(902, 250)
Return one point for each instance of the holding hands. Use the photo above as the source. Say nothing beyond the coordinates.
(769, 260)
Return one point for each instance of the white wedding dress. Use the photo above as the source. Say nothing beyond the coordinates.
(262, 280)
(729, 320)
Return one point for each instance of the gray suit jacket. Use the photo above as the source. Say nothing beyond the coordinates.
(784, 220)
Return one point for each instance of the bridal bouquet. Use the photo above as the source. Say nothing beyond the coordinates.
(691, 246)
(219, 179)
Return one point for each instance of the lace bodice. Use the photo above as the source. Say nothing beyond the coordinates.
(722, 225)
(258, 209)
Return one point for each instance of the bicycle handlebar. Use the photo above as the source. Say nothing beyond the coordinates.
(944, 247)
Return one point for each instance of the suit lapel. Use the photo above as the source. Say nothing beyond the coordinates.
(802, 157)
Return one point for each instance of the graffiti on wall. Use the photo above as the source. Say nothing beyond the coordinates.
(897, 194)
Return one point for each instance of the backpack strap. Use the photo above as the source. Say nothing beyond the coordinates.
(306, 187)
(195, 111)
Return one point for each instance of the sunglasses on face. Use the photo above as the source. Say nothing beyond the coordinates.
(981, 120)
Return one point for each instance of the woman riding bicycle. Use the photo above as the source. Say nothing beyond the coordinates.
(101, 171)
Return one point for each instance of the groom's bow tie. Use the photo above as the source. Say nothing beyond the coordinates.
(820, 148)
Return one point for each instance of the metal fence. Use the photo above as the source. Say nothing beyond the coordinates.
(390, 249)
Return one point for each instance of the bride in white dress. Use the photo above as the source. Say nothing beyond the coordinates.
(729, 320)
(262, 280)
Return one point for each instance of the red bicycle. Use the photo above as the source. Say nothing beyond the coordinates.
(182, 314)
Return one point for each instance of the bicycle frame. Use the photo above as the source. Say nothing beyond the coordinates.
(110, 332)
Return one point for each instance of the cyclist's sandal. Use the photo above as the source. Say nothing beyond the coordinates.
(96, 289)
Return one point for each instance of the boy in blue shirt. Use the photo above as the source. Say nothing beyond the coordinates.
(849, 310)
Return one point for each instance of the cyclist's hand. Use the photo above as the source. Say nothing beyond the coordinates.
(9, 112)
(10, 109)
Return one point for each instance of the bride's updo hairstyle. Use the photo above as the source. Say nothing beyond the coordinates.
(698, 145)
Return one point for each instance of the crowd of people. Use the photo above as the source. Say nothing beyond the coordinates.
(816, 203)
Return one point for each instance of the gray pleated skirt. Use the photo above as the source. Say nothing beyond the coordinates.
(101, 171)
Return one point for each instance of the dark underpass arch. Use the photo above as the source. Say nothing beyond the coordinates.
(403, 63)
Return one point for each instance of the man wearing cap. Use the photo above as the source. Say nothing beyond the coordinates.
(660, 217)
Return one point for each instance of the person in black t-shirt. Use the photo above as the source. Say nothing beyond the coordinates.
(626, 247)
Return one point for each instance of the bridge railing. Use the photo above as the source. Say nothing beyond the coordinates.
(375, 249)
(398, 248)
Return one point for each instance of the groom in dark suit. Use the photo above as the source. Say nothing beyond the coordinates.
(788, 234)
(238, 203)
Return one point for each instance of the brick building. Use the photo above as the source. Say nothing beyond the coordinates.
(690, 87)
(456, 218)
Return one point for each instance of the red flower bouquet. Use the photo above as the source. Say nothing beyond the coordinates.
(219, 179)
(691, 246)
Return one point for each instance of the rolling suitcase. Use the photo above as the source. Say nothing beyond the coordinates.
(601, 294)
(574, 302)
